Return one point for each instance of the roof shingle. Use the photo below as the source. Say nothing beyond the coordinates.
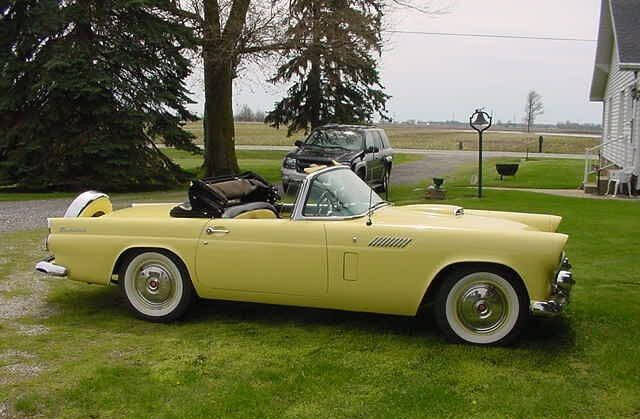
(626, 21)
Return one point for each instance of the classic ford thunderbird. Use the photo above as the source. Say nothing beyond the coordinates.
(339, 246)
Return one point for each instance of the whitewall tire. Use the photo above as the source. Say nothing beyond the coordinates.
(483, 307)
(156, 286)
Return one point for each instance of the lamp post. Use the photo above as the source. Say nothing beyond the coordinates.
(480, 121)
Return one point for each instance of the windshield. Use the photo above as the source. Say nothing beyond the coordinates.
(339, 193)
(336, 138)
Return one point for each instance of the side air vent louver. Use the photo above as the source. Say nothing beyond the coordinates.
(387, 241)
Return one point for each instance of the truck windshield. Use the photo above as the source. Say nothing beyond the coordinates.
(336, 138)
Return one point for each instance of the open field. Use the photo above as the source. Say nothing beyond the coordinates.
(250, 133)
(73, 350)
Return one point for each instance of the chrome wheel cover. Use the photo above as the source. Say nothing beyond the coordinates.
(153, 284)
(482, 307)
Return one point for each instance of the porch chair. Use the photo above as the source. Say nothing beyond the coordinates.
(620, 178)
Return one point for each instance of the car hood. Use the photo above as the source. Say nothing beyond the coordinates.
(324, 154)
(450, 216)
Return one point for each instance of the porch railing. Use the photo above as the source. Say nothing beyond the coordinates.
(594, 161)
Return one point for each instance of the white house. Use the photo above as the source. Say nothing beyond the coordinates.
(616, 84)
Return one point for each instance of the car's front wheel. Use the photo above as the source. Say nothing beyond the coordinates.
(481, 306)
(156, 286)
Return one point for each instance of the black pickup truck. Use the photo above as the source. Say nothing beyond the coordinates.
(366, 149)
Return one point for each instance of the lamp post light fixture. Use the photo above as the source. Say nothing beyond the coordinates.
(480, 121)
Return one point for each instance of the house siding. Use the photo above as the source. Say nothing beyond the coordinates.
(618, 114)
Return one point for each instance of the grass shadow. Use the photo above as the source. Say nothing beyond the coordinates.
(104, 307)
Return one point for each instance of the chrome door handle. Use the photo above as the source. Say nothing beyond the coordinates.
(217, 230)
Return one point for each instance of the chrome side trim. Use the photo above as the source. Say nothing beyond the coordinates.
(82, 201)
(50, 268)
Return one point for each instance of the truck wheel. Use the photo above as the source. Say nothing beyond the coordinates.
(483, 307)
(385, 181)
(156, 286)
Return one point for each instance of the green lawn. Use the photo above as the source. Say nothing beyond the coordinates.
(421, 137)
(248, 360)
(532, 173)
(265, 163)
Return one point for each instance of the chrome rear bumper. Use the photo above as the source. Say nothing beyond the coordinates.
(560, 291)
(50, 268)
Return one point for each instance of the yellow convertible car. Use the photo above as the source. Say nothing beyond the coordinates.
(339, 246)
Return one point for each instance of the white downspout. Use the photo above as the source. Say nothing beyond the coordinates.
(635, 129)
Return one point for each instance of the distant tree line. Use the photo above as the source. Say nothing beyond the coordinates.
(510, 125)
(246, 114)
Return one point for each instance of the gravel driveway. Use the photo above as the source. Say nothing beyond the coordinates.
(431, 165)
(27, 215)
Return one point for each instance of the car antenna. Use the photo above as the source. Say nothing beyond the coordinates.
(369, 212)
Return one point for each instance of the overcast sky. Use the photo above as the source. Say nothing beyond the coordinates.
(437, 77)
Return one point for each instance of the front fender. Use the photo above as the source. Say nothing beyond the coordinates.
(533, 256)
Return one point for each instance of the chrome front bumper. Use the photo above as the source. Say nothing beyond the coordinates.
(48, 267)
(560, 291)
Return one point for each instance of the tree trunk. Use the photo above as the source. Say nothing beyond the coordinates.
(315, 92)
(220, 153)
(315, 82)
(220, 60)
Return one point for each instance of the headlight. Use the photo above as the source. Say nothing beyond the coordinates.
(289, 163)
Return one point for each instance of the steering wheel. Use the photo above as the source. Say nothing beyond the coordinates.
(330, 200)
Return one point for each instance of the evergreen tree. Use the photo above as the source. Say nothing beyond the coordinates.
(86, 86)
(331, 58)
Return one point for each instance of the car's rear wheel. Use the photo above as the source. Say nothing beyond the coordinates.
(481, 306)
(156, 286)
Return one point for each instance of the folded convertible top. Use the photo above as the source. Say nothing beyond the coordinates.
(210, 197)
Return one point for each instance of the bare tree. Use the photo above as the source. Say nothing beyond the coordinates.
(232, 34)
(533, 108)
(245, 114)
(259, 116)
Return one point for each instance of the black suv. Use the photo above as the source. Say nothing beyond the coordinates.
(366, 149)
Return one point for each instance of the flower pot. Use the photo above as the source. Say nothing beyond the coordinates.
(505, 169)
